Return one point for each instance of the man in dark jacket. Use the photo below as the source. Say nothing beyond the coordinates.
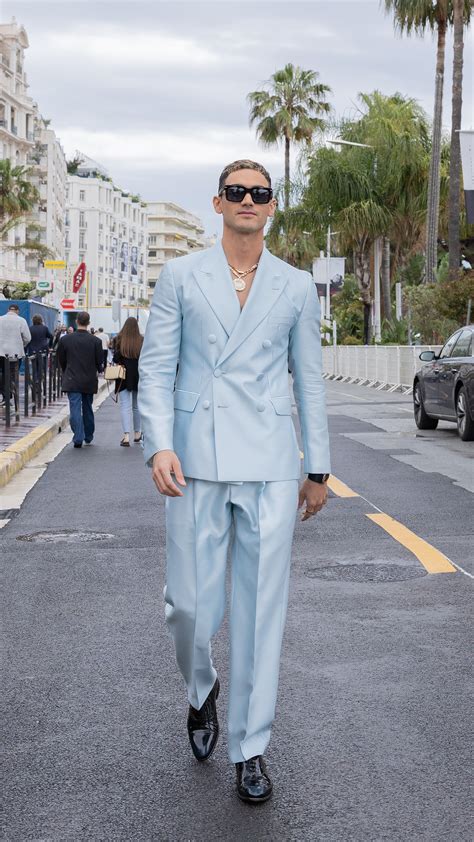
(80, 357)
(41, 337)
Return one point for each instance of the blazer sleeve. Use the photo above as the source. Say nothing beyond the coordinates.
(305, 360)
(157, 367)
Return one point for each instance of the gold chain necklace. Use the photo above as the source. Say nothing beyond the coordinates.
(238, 276)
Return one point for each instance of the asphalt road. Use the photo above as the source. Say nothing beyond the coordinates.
(371, 740)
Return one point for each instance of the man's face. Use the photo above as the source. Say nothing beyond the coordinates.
(245, 217)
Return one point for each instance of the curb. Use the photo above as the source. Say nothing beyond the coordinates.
(16, 455)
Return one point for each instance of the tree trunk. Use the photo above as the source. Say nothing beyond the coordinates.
(287, 173)
(386, 286)
(362, 273)
(455, 159)
(435, 163)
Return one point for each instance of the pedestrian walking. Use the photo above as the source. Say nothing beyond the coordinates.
(128, 345)
(41, 336)
(41, 340)
(80, 357)
(59, 332)
(222, 445)
(14, 337)
(104, 338)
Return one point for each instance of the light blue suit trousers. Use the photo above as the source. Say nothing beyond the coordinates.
(261, 516)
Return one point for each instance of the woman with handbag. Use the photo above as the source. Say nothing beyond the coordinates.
(128, 344)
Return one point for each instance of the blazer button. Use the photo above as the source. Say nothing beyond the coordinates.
(261, 407)
(217, 372)
(212, 338)
(260, 376)
(206, 404)
(267, 343)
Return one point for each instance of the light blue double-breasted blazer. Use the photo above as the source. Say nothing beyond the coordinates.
(227, 413)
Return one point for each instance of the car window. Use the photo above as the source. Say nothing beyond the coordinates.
(448, 347)
(463, 345)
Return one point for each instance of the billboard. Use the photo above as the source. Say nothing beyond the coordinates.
(336, 274)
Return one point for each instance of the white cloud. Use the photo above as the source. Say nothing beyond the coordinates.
(157, 150)
(120, 47)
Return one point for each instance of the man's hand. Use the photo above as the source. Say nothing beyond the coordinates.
(165, 463)
(315, 495)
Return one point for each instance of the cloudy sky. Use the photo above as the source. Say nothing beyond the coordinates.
(156, 91)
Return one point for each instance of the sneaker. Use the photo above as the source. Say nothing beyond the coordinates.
(78, 444)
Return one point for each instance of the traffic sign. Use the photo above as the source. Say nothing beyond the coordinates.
(54, 264)
(45, 286)
(68, 304)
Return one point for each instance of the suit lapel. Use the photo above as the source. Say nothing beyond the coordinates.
(267, 286)
(214, 281)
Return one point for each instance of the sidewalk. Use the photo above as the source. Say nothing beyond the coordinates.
(371, 737)
(24, 439)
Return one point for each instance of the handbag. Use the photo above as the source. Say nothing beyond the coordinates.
(115, 372)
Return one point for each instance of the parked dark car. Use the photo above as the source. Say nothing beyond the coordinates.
(444, 387)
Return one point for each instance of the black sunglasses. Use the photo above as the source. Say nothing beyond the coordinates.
(237, 193)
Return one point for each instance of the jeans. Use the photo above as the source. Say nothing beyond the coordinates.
(129, 401)
(81, 416)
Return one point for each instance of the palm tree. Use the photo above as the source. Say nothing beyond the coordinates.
(17, 194)
(417, 16)
(455, 160)
(289, 109)
(18, 197)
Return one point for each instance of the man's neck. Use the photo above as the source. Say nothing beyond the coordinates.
(84, 329)
(242, 250)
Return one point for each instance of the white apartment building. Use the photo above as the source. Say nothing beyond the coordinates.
(172, 232)
(47, 221)
(17, 123)
(27, 140)
(106, 228)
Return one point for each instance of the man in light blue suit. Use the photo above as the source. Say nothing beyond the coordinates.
(219, 436)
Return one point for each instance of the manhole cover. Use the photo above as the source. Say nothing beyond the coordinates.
(366, 573)
(65, 536)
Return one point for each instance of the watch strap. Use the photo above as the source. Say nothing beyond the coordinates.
(318, 477)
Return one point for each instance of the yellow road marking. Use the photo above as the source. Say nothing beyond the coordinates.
(340, 488)
(432, 559)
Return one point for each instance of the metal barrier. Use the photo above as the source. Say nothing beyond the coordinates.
(32, 382)
(382, 366)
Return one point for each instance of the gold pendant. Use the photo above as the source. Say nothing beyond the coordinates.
(239, 284)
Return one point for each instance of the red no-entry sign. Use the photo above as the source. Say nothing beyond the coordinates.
(68, 304)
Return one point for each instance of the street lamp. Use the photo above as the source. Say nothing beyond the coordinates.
(377, 245)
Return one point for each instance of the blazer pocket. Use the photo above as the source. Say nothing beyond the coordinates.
(185, 400)
(282, 405)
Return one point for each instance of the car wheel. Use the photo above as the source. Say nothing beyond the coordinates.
(465, 422)
(422, 420)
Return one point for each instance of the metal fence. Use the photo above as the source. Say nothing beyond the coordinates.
(28, 384)
(375, 365)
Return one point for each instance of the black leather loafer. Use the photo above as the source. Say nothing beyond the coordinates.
(253, 782)
(203, 726)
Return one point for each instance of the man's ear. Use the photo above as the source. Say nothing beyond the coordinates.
(217, 203)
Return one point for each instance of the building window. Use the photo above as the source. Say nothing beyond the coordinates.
(152, 253)
(82, 195)
(82, 219)
(152, 240)
(82, 244)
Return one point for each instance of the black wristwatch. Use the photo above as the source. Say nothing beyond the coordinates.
(319, 477)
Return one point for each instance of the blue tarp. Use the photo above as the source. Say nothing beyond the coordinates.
(29, 308)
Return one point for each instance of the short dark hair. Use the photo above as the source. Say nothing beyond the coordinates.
(14, 307)
(244, 164)
(101, 330)
(83, 318)
(37, 320)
